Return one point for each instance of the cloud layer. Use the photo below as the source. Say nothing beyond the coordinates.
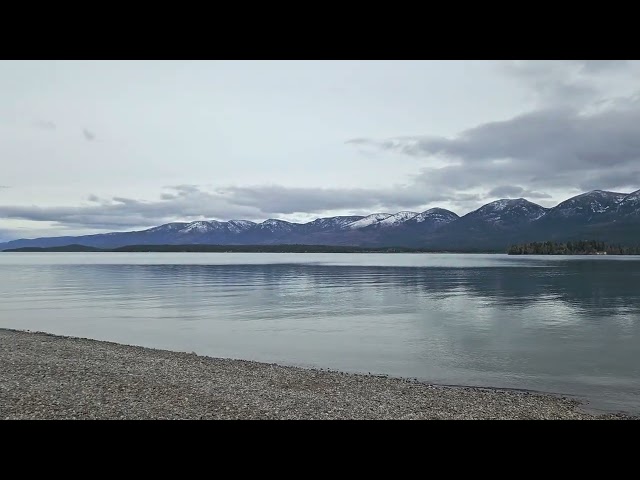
(191, 202)
(580, 130)
(545, 149)
(45, 125)
(578, 139)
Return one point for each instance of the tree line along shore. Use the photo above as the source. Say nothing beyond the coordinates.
(579, 247)
(280, 248)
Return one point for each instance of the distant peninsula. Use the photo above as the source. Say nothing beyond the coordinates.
(581, 247)
(282, 248)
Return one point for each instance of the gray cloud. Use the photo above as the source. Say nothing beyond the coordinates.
(553, 82)
(287, 200)
(544, 149)
(567, 82)
(359, 141)
(88, 135)
(512, 191)
(45, 125)
(190, 202)
(527, 156)
(600, 66)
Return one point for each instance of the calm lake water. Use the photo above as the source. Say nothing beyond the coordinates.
(557, 324)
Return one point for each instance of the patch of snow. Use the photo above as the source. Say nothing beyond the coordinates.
(168, 227)
(340, 222)
(632, 198)
(202, 227)
(396, 219)
(369, 220)
(242, 223)
(436, 215)
(275, 225)
(594, 202)
(495, 211)
(631, 204)
(499, 205)
(237, 226)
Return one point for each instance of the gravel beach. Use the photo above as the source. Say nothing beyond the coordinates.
(44, 376)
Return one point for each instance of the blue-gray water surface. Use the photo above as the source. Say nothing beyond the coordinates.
(567, 325)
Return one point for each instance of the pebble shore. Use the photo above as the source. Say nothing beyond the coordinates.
(43, 376)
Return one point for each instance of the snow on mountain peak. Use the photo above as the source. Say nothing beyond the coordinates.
(276, 225)
(615, 197)
(237, 226)
(601, 193)
(436, 215)
(273, 221)
(167, 227)
(369, 220)
(521, 207)
(202, 226)
(502, 204)
(633, 197)
(331, 222)
(396, 219)
(593, 202)
(630, 204)
(242, 223)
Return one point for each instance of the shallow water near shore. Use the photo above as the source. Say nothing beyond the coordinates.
(553, 324)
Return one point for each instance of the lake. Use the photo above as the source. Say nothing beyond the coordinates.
(556, 324)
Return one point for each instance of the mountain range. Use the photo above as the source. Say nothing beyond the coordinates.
(597, 215)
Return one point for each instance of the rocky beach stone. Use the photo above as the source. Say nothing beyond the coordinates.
(43, 376)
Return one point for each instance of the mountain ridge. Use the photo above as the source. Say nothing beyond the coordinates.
(598, 214)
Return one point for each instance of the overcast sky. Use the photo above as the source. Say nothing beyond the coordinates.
(119, 145)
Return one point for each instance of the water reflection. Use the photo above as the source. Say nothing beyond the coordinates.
(570, 326)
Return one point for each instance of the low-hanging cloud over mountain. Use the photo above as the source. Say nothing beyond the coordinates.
(192, 202)
(590, 141)
(545, 149)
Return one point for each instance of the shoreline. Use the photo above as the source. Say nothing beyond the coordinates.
(47, 376)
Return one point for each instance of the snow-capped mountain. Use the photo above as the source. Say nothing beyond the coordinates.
(590, 205)
(435, 215)
(598, 215)
(508, 211)
(595, 215)
(493, 224)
